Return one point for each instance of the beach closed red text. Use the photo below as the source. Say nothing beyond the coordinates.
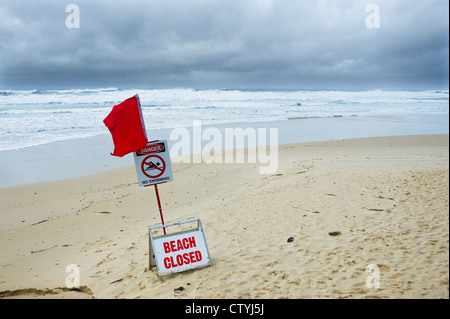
(182, 258)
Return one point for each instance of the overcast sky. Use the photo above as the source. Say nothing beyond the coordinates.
(291, 44)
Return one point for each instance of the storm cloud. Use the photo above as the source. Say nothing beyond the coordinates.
(288, 44)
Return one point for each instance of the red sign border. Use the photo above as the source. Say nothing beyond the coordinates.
(143, 162)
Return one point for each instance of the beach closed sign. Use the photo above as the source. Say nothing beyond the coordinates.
(153, 164)
(180, 252)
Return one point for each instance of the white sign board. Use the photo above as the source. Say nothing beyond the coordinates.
(180, 252)
(153, 164)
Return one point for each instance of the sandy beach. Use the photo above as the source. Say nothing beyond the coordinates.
(347, 204)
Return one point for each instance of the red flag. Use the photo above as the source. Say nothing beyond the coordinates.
(127, 127)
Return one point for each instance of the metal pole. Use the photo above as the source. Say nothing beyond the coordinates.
(159, 205)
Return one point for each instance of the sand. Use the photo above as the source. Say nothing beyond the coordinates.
(347, 204)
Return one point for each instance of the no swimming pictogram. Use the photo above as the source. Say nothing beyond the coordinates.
(153, 166)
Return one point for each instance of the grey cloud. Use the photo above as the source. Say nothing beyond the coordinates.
(200, 43)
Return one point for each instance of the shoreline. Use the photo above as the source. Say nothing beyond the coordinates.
(384, 201)
(90, 155)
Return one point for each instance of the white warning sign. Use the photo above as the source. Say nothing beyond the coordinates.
(153, 164)
(180, 252)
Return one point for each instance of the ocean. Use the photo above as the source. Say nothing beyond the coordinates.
(55, 134)
(36, 117)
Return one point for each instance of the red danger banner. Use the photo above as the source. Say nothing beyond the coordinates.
(153, 148)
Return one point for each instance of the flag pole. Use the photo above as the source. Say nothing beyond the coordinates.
(159, 205)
